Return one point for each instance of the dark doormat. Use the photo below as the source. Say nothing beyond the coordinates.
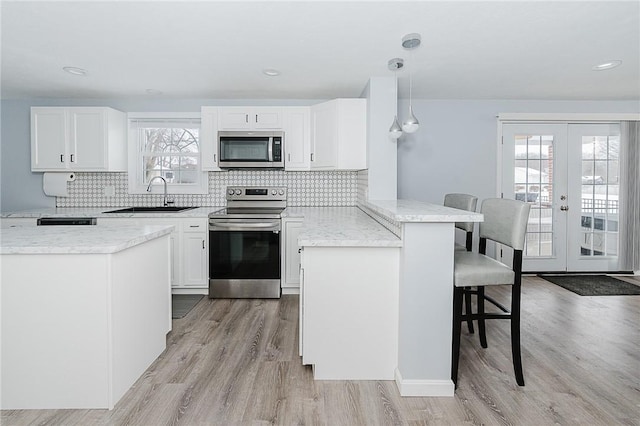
(593, 285)
(181, 304)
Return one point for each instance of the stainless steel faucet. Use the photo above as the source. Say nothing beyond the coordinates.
(166, 202)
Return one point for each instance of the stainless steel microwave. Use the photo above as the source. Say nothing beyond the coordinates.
(247, 150)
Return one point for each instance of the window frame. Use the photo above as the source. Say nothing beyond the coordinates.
(136, 157)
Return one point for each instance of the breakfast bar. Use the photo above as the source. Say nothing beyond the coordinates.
(376, 293)
(85, 310)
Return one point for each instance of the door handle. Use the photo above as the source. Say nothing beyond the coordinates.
(71, 158)
(564, 208)
(62, 158)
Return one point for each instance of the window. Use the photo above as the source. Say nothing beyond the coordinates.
(166, 145)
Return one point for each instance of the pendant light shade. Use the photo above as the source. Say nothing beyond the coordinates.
(411, 124)
(395, 131)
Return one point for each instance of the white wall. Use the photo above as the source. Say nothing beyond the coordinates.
(382, 152)
(455, 149)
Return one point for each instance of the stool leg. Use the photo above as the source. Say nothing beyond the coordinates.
(467, 309)
(515, 336)
(457, 325)
(481, 328)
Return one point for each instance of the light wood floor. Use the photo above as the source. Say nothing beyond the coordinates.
(234, 362)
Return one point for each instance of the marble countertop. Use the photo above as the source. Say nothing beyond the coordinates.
(198, 212)
(340, 227)
(98, 239)
(420, 211)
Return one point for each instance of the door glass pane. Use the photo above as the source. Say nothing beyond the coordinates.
(600, 185)
(533, 183)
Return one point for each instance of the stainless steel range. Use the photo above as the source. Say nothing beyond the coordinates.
(244, 243)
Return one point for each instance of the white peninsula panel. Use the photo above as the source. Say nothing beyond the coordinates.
(85, 310)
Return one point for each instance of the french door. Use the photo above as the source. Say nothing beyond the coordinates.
(569, 173)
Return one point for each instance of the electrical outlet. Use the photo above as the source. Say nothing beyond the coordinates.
(109, 191)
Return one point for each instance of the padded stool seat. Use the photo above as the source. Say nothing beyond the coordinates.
(473, 269)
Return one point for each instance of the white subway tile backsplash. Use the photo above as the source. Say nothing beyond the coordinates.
(313, 189)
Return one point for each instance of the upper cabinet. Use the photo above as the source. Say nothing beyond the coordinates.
(209, 138)
(297, 138)
(339, 135)
(78, 139)
(250, 118)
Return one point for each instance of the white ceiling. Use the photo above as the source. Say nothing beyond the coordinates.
(324, 49)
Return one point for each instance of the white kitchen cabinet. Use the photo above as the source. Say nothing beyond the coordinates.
(250, 118)
(290, 262)
(349, 312)
(209, 138)
(339, 135)
(297, 138)
(195, 259)
(189, 247)
(78, 139)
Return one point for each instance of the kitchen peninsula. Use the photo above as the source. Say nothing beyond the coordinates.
(376, 303)
(85, 310)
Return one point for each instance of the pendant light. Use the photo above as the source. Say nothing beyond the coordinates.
(411, 42)
(395, 131)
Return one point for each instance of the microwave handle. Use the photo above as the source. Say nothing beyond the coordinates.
(270, 150)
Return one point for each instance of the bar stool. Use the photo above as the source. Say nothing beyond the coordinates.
(505, 222)
(464, 202)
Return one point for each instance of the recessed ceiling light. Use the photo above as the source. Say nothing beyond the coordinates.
(153, 92)
(607, 65)
(271, 72)
(75, 70)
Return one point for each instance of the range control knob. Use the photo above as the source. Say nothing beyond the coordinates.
(238, 192)
(230, 191)
(274, 192)
(281, 192)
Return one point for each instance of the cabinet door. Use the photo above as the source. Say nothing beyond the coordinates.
(48, 139)
(87, 139)
(209, 139)
(249, 118)
(324, 135)
(291, 254)
(296, 138)
(234, 118)
(266, 118)
(194, 265)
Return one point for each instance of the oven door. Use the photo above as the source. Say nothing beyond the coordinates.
(244, 258)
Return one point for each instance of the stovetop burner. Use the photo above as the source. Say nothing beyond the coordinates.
(247, 212)
(252, 202)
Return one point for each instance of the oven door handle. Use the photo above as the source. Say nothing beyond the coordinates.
(256, 226)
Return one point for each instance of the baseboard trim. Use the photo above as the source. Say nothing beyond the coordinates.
(290, 290)
(410, 387)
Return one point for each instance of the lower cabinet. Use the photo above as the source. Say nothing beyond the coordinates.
(290, 261)
(194, 253)
(349, 299)
(189, 248)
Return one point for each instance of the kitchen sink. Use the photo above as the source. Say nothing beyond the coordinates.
(150, 209)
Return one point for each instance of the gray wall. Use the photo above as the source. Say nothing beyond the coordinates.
(21, 189)
(455, 149)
